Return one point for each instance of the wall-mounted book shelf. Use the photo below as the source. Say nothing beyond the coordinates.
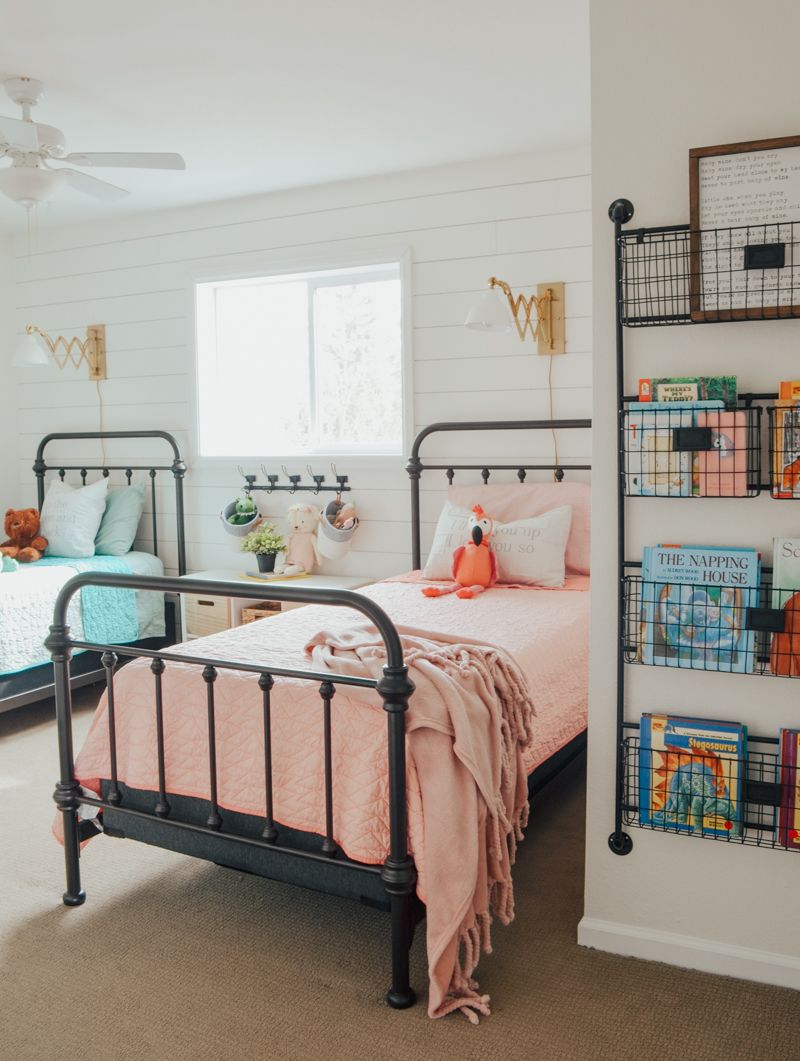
(687, 627)
(684, 808)
(673, 275)
(679, 275)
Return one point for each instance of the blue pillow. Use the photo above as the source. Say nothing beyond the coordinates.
(120, 520)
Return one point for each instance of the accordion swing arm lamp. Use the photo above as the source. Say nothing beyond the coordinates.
(541, 315)
(36, 347)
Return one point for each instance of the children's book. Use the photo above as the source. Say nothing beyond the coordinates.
(722, 470)
(789, 390)
(789, 810)
(786, 449)
(693, 606)
(691, 774)
(653, 467)
(785, 647)
(688, 389)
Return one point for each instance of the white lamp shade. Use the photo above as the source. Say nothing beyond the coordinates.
(490, 313)
(30, 353)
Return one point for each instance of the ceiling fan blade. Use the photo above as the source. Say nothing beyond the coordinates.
(17, 133)
(98, 189)
(127, 159)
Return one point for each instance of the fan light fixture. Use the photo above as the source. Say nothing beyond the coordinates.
(36, 347)
(542, 314)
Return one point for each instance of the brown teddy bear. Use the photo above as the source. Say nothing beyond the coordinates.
(25, 543)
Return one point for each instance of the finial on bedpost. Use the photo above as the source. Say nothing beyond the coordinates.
(414, 469)
(178, 472)
(39, 469)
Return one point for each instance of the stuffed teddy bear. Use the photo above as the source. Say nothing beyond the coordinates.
(301, 549)
(25, 543)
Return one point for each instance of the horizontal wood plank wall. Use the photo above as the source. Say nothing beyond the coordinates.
(526, 220)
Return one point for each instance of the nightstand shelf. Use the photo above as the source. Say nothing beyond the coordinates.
(202, 615)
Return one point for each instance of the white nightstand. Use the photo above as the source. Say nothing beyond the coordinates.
(202, 615)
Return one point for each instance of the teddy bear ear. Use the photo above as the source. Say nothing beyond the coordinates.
(10, 511)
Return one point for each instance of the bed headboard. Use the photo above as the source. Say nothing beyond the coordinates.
(415, 467)
(177, 469)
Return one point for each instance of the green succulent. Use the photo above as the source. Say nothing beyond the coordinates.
(264, 540)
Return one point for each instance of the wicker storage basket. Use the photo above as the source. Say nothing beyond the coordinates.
(260, 611)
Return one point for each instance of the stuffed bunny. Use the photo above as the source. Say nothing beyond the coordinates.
(301, 550)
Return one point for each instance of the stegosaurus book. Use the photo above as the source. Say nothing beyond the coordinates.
(691, 774)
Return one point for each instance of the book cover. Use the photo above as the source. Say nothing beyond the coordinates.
(652, 467)
(789, 390)
(786, 450)
(688, 389)
(785, 646)
(722, 470)
(691, 774)
(789, 810)
(693, 606)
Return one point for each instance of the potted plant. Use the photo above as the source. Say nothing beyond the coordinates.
(266, 543)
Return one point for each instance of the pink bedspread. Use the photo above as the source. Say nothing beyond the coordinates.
(544, 632)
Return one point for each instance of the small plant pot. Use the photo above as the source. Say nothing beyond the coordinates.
(266, 562)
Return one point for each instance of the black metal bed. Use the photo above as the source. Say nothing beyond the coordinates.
(263, 845)
(36, 683)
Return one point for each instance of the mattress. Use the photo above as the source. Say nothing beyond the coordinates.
(28, 595)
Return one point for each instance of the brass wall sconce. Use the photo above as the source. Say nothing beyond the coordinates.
(36, 347)
(541, 314)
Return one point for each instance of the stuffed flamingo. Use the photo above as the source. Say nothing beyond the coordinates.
(474, 564)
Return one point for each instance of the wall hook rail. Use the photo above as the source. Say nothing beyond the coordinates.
(294, 482)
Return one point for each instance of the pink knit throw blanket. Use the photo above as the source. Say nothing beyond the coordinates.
(468, 725)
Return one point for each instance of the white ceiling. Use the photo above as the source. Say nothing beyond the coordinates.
(259, 95)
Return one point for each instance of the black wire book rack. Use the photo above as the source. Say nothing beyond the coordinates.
(673, 275)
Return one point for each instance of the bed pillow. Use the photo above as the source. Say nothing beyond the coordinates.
(513, 501)
(120, 522)
(528, 551)
(70, 517)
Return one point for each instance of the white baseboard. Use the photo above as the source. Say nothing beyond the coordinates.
(690, 952)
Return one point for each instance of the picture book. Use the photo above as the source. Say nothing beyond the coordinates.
(789, 390)
(691, 774)
(785, 647)
(653, 467)
(786, 450)
(688, 389)
(722, 470)
(693, 606)
(789, 810)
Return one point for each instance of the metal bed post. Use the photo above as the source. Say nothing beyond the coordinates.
(67, 792)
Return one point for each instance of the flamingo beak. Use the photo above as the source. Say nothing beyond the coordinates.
(477, 535)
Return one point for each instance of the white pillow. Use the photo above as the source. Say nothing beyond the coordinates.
(529, 551)
(71, 517)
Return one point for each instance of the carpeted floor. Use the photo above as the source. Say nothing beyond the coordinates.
(174, 959)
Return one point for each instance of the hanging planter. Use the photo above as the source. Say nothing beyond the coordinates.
(240, 516)
(337, 526)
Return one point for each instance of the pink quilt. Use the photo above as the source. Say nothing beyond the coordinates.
(464, 861)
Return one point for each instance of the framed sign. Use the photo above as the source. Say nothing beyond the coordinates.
(744, 202)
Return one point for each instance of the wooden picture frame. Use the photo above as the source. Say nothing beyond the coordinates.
(744, 214)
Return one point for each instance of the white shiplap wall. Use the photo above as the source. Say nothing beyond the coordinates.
(525, 219)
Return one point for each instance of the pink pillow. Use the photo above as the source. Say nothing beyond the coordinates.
(509, 502)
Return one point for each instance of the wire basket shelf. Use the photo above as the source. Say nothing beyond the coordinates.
(679, 275)
(749, 800)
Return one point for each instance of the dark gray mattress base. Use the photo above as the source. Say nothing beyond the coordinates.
(331, 876)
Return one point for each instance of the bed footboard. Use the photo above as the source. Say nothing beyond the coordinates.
(398, 872)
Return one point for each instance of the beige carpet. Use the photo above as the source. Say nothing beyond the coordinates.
(176, 959)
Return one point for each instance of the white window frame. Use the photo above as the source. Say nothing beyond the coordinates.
(259, 266)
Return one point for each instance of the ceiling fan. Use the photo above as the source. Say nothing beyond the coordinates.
(32, 147)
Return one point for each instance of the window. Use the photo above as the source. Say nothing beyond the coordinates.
(301, 364)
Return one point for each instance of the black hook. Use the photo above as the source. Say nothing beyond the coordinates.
(318, 479)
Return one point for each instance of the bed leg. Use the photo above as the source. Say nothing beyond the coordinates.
(68, 792)
(401, 995)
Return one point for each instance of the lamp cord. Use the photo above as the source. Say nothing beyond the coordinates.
(101, 420)
(552, 417)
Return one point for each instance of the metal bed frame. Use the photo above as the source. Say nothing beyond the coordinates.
(263, 845)
(37, 683)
